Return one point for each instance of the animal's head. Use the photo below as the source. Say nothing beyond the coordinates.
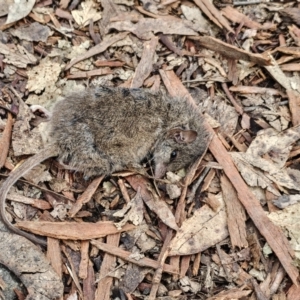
(178, 148)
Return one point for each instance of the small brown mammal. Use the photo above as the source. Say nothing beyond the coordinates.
(106, 129)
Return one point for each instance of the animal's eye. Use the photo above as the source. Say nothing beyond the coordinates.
(173, 154)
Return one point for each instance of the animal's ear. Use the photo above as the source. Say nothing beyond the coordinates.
(183, 136)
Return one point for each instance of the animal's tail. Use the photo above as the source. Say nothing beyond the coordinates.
(13, 177)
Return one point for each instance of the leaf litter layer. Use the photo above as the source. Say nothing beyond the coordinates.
(226, 228)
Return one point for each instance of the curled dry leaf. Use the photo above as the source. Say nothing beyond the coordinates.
(233, 52)
(144, 67)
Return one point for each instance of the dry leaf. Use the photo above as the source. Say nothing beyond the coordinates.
(60, 210)
(203, 230)
(188, 285)
(43, 75)
(87, 13)
(43, 78)
(18, 10)
(279, 176)
(132, 212)
(24, 140)
(251, 175)
(194, 14)
(133, 277)
(144, 27)
(38, 174)
(286, 200)
(41, 14)
(31, 266)
(223, 113)
(59, 185)
(237, 17)
(173, 191)
(145, 243)
(4, 7)
(17, 56)
(289, 220)
(276, 145)
(34, 32)
(289, 83)
(151, 199)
